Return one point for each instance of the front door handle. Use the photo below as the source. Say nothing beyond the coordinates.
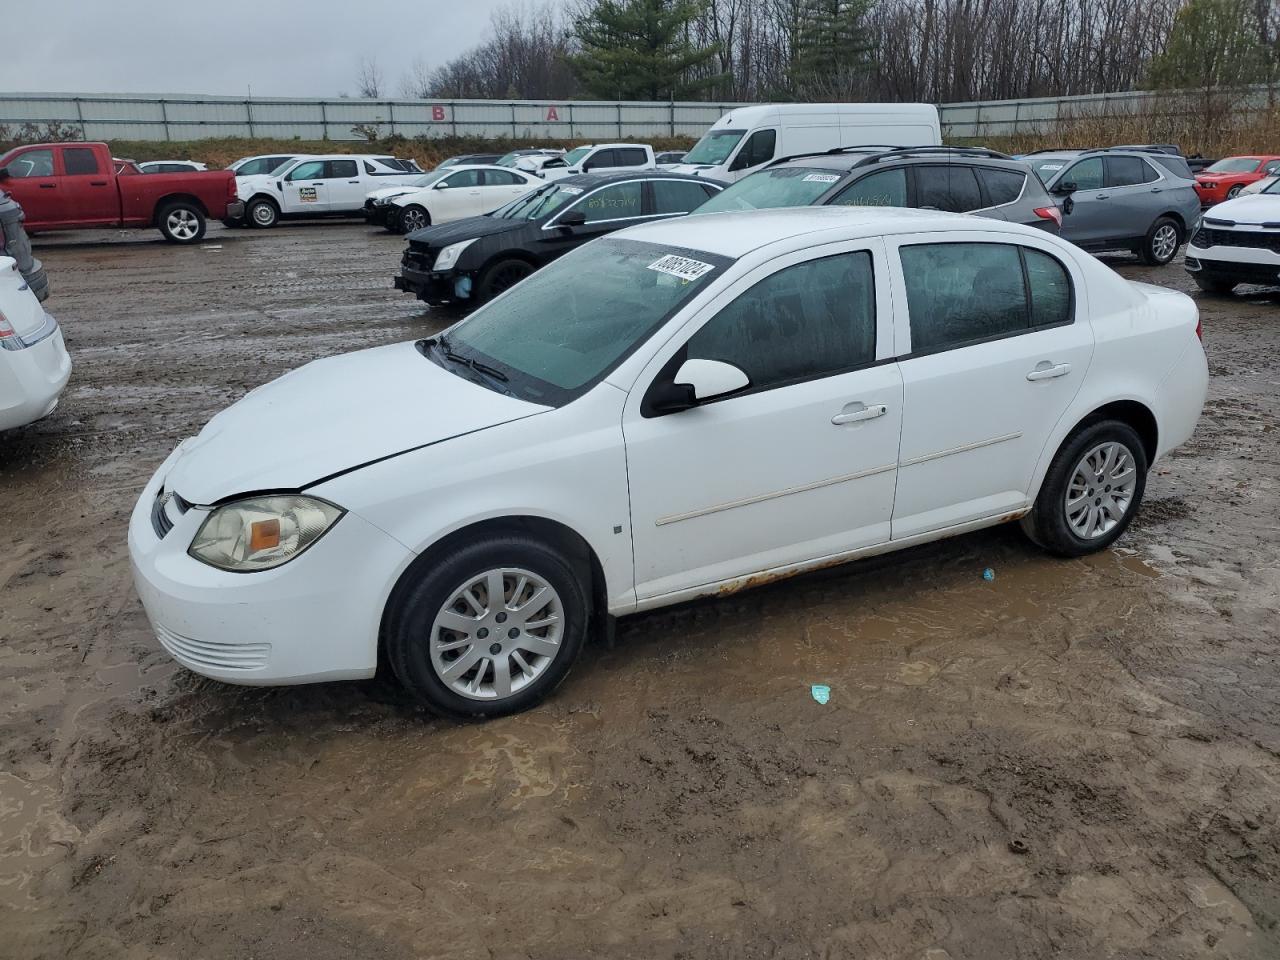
(1047, 371)
(48, 186)
(97, 183)
(1101, 196)
(857, 412)
(1155, 189)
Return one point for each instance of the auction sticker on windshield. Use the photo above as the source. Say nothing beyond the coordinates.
(683, 267)
(571, 191)
(821, 178)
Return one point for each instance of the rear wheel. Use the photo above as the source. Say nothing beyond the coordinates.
(181, 222)
(412, 217)
(1161, 243)
(1213, 284)
(490, 630)
(502, 276)
(1091, 491)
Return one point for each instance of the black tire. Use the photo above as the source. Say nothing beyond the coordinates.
(1047, 524)
(423, 594)
(392, 220)
(1154, 251)
(181, 221)
(262, 212)
(501, 276)
(411, 218)
(1213, 284)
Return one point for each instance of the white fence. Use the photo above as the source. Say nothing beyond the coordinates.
(136, 117)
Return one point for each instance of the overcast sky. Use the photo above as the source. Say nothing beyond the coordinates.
(285, 48)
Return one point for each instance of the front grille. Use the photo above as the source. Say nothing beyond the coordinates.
(418, 257)
(1209, 237)
(163, 511)
(217, 656)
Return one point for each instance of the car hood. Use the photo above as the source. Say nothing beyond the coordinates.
(1217, 177)
(1249, 208)
(692, 169)
(388, 192)
(332, 416)
(468, 229)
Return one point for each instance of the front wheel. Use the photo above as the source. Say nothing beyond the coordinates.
(1161, 243)
(1234, 191)
(262, 213)
(490, 630)
(182, 222)
(502, 276)
(1091, 491)
(412, 217)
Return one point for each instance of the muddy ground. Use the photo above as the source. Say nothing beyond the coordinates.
(1077, 759)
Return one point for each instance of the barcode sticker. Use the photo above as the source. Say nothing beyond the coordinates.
(821, 178)
(683, 267)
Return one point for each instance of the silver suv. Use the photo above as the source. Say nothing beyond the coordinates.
(1121, 199)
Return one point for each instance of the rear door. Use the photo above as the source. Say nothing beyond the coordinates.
(88, 191)
(305, 188)
(996, 347)
(345, 185)
(498, 187)
(1135, 202)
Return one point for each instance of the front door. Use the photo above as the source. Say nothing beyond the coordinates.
(1089, 219)
(305, 189)
(34, 183)
(991, 363)
(798, 466)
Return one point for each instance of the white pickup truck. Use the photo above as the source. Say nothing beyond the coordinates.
(318, 186)
(599, 156)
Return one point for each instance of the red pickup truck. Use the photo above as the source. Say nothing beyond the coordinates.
(72, 186)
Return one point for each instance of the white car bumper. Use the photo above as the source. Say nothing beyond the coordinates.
(32, 376)
(1247, 264)
(315, 618)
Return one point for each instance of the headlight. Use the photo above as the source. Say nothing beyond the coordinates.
(383, 201)
(262, 532)
(450, 254)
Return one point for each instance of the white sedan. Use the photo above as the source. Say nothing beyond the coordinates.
(677, 409)
(34, 366)
(457, 192)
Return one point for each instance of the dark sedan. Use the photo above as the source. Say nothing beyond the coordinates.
(473, 260)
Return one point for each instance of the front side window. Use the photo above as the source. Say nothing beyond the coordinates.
(884, 188)
(1003, 186)
(1086, 175)
(1128, 171)
(574, 155)
(33, 163)
(617, 202)
(780, 187)
(311, 170)
(577, 317)
(677, 196)
(758, 149)
(714, 148)
(539, 203)
(809, 320)
(962, 293)
(343, 169)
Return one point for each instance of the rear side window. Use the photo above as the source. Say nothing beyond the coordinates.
(952, 187)
(1086, 175)
(1175, 165)
(343, 168)
(677, 196)
(80, 161)
(1003, 186)
(809, 320)
(501, 178)
(630, 157)
(886, 188)
(600, 160)
(758, 149)
(962, 293)
(1127, 171)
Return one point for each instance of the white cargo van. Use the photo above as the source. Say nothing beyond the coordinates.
(746, 138)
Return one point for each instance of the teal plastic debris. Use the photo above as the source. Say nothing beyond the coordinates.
(988, 574)
(821, 692)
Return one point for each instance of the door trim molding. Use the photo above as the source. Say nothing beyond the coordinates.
(747, 501)
(976, 445)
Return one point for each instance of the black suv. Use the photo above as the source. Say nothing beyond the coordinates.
(473, 260)
(955, 179)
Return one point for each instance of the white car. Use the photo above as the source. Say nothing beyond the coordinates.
(596, 157)
(457, 192)
(681, 408)
(530, 160)
(318, 186)
(34, 366)
(171, 166)
(1237, 241)
(262, 165)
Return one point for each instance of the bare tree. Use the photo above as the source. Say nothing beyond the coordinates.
(369, 79)
(416, 83)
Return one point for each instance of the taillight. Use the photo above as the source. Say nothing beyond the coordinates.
(231, 189)
(1199, 328)
(7, 334)
(1050, 213)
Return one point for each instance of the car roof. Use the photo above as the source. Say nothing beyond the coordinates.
(736, 233)
(850, 158)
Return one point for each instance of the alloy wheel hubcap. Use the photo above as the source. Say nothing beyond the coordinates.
(412, 220)
(183, 224)
(1101, 490)
(1165, 242)
(497, 633)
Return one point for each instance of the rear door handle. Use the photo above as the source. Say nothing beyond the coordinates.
(1155, 189)
(1047, 371)
(857, 412)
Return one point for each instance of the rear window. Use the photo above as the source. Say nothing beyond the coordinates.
(779, 187)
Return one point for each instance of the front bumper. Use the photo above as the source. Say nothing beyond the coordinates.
(1239, 264)
(313, 619)
(435, 288)
(33, 377)
(1213, 193)
(380, 216)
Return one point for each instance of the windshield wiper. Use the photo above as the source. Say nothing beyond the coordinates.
(481, 369)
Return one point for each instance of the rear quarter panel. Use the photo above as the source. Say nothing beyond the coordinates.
(142, 194)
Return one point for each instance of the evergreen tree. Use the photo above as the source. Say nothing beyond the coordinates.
(640, 50)
(1213, 43)
(830, 49)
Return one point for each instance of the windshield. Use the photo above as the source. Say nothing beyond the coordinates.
(562, 329)
(782, 187)
(540, 203)
(509, 160)
(1049, 167)
(1234, 165)
(576, 154)
(715, 147)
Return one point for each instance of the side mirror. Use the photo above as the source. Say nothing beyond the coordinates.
(442, 185)
(572, 218)
(4, 173)
(709, 379)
